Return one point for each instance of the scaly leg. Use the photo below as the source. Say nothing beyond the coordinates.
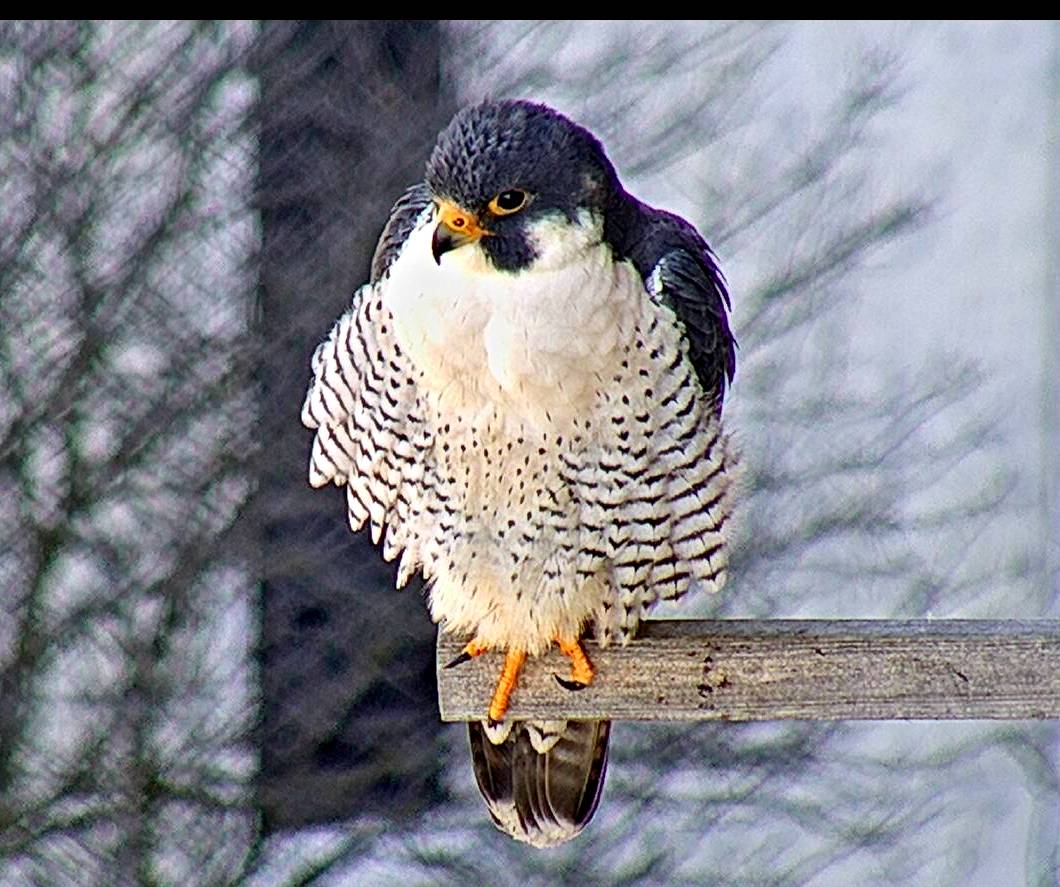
(581, 669)
(513, 664)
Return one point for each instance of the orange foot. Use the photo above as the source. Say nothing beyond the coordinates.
(581, 672)
(473, 648)
(513, 664)
(581, 669)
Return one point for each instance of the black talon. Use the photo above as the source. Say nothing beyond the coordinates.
(491, 723)
(460, 660)
(573, 686)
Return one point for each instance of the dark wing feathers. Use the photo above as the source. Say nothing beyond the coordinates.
(542, 799)
(672, 258)
(695, 290)
(401, 223)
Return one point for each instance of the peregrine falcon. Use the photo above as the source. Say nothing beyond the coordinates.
(524, 403)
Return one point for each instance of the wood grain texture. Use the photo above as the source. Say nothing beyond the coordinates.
(750, 670)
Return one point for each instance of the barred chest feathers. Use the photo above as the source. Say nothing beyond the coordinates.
(576, 472)
(524, 405)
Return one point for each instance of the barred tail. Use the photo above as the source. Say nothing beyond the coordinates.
(543, 799)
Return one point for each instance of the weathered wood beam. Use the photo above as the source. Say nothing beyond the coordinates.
(752, 670)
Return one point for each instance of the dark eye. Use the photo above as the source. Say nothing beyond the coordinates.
(508, 202)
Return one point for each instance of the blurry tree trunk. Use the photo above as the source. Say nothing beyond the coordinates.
(348, 113)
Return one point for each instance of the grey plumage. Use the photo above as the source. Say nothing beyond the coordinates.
(534, 421)
(402, 221)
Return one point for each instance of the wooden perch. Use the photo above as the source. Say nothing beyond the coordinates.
(754, 670)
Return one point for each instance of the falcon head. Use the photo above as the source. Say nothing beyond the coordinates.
(510, 178)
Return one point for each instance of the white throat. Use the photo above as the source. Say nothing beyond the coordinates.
(536, 343)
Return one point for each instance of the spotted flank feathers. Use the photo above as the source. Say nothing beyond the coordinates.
(629, 501)
(524, 403)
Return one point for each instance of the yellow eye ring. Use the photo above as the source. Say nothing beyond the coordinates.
(508, 202)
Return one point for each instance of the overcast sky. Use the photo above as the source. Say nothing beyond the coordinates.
(976, 127)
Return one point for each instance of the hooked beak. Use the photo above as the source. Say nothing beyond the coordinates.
(456, 228)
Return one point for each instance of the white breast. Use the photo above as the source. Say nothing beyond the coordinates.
(535, 342)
